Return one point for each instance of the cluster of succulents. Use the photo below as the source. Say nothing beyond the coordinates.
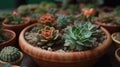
(9, 54)
(12, 18)
(72, 35)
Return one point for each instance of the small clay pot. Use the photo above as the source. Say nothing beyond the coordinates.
(115, 40)
(110, 28)
(17, 62)
(117, 54)
(10, 38)
(16, 28)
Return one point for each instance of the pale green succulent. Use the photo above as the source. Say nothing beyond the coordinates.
(82, 36)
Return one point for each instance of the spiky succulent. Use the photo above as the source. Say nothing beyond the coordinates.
(9, 54)
(81, 36)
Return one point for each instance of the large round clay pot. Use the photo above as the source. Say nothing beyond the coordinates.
(61, 59)
(110, 28)
(10, 38)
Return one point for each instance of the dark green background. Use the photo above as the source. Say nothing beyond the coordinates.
(8, 4)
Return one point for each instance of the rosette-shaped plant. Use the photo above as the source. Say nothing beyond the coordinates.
(43, 36)
(48, 19)
(47, 36)
(82, 36)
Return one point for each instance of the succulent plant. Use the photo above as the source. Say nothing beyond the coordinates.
(47, 19)
(84, 18)
(13, 19)
(63, 20)
(9, 54)
(82, 36)
(43, 36)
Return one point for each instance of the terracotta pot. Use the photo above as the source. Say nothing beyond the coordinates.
(117, 54)
(10, 41)
(69, 59)
(110, 28)
(17, 62)
(16, 28)
(115, 40)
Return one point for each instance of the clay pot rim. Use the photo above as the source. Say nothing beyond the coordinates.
(105, 25)
(13, 34)
(113, 38)
(116, 54)
(96, 52)
(17, 25)
(14, 62)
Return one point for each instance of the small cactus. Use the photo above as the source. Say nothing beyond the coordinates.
(9, 54)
